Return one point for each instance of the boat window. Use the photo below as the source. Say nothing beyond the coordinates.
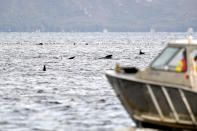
(177, 58)
(194, 58)
(171, 59)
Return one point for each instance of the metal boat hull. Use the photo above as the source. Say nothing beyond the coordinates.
(156, 103)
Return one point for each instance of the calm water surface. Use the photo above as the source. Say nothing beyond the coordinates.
(72, 94)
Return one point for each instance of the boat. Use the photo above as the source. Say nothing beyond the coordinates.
(161, 96)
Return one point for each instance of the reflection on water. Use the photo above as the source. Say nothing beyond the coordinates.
(72, 94)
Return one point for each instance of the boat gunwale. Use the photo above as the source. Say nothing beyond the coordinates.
(131, 77)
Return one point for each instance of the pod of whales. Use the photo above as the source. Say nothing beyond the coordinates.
(106, 57)
(141, 53)
(44, 68)
(71, 57)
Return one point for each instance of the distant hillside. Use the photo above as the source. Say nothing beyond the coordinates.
(97, 15)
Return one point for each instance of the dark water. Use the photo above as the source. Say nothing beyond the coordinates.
(72, 94)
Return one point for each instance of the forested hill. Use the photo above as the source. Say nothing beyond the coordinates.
(97, 15)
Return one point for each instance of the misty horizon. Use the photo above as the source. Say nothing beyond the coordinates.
(98, 16)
